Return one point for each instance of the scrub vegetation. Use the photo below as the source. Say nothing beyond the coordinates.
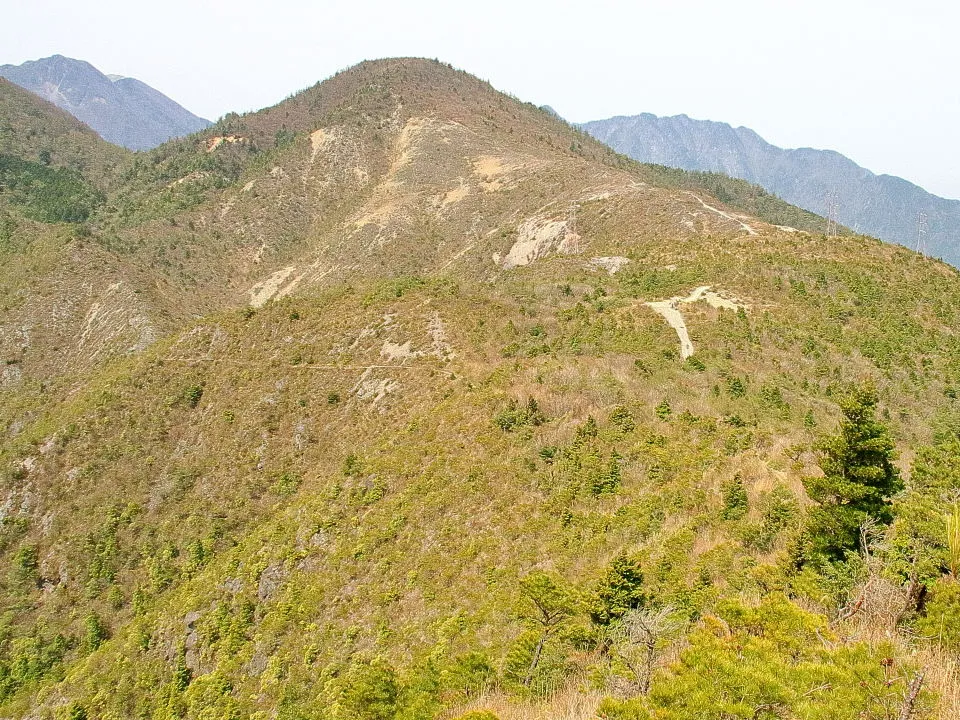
(296, 445)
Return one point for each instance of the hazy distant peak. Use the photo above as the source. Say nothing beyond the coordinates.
(121, 109)
(881, 205)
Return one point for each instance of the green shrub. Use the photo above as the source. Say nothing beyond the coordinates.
(95, 632)
(192, 394)
(287, 483)
(352, 467)
(470, 674)
(26, 564)
(736, 387)
(619, 590)
(607, 479)
(663, 410)
(615, 709)
(31, 658)
(941, 621)
(694, 363)
(770, 661)
(548, 453)
(771, 396)
(735, 500)
(515, 416)
(622, 419)
(778, 510)
(76, 711)
(371, 691)
(477, 715)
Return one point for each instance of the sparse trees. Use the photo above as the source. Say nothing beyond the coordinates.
(516, 416)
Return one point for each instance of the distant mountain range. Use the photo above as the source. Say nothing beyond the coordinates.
(122, 110)
(884, 206)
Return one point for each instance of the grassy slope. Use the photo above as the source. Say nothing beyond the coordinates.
(212, 474)
(30, 126)
(255, 472)
(192, 226)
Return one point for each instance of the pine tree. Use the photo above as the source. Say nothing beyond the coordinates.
(619, 591)
(548, 605)
(858, 480)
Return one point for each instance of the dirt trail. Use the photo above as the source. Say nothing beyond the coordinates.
(670, 310)
(612, 264)
(721, 213)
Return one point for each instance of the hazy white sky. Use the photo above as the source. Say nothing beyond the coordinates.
(874, 80)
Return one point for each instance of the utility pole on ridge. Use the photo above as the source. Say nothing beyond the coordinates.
(922, 233)
(832, 214)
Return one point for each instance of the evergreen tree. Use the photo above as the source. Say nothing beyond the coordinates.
(548, 605)
(736, 503)
(619, 591)
(858, 480)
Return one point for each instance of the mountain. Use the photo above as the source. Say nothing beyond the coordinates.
(883, 206)
(33, 129)
(55, 174)
(123, 110)
(406, 399)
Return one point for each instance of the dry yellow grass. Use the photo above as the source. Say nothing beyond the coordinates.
(570, 703)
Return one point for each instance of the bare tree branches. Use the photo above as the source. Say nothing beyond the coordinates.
(913, 692)
(636, 639)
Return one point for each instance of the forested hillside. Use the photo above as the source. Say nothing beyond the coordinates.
(404, 399)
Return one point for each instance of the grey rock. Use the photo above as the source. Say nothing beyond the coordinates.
(257, 664)
(270, 579)
(233, 585)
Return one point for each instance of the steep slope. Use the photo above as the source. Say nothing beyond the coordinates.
(394, 168)
(884, 206)
(123, 110)
(445, 341)
(61, 298)
(34, 130)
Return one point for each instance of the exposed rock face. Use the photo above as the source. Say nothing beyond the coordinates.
(880, 205)
(122, 110)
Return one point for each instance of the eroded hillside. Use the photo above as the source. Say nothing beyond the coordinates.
(422, 361)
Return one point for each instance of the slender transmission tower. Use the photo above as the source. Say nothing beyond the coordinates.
(922, 232)
(833, 214)
(573, 229)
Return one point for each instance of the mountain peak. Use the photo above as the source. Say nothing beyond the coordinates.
(121, 112)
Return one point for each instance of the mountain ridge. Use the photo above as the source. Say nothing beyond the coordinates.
(885, 206)
(123, 110)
